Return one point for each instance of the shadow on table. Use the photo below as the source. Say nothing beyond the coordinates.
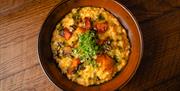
(160, 62)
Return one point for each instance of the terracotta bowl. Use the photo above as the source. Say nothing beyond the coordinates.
(48, 63)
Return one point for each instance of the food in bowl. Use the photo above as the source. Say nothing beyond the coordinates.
(90, 45)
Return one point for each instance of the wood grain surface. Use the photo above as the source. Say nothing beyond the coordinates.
(20, 23)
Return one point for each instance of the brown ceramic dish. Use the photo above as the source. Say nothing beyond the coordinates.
(49, 65)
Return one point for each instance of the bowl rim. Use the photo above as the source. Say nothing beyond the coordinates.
(141, 48)
(38, 43)
(140, 38)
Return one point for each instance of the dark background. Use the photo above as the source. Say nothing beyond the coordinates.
(20, 22)
(159, 21)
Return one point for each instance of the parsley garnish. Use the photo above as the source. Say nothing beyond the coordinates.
(87, 46)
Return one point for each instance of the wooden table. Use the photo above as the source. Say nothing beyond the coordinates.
(21, 20)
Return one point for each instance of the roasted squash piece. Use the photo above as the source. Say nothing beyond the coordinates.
(101, 27)
(106, 63)
(73, 66)
(67, 34)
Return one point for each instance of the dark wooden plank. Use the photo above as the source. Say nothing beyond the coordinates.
(171, 85)
(145, 10)
(160, 61)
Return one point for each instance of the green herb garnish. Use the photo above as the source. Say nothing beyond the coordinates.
(76, 16)
(101, 17)
(87, 47)
(59, 27)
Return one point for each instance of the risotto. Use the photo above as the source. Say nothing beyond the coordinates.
(90, 45)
